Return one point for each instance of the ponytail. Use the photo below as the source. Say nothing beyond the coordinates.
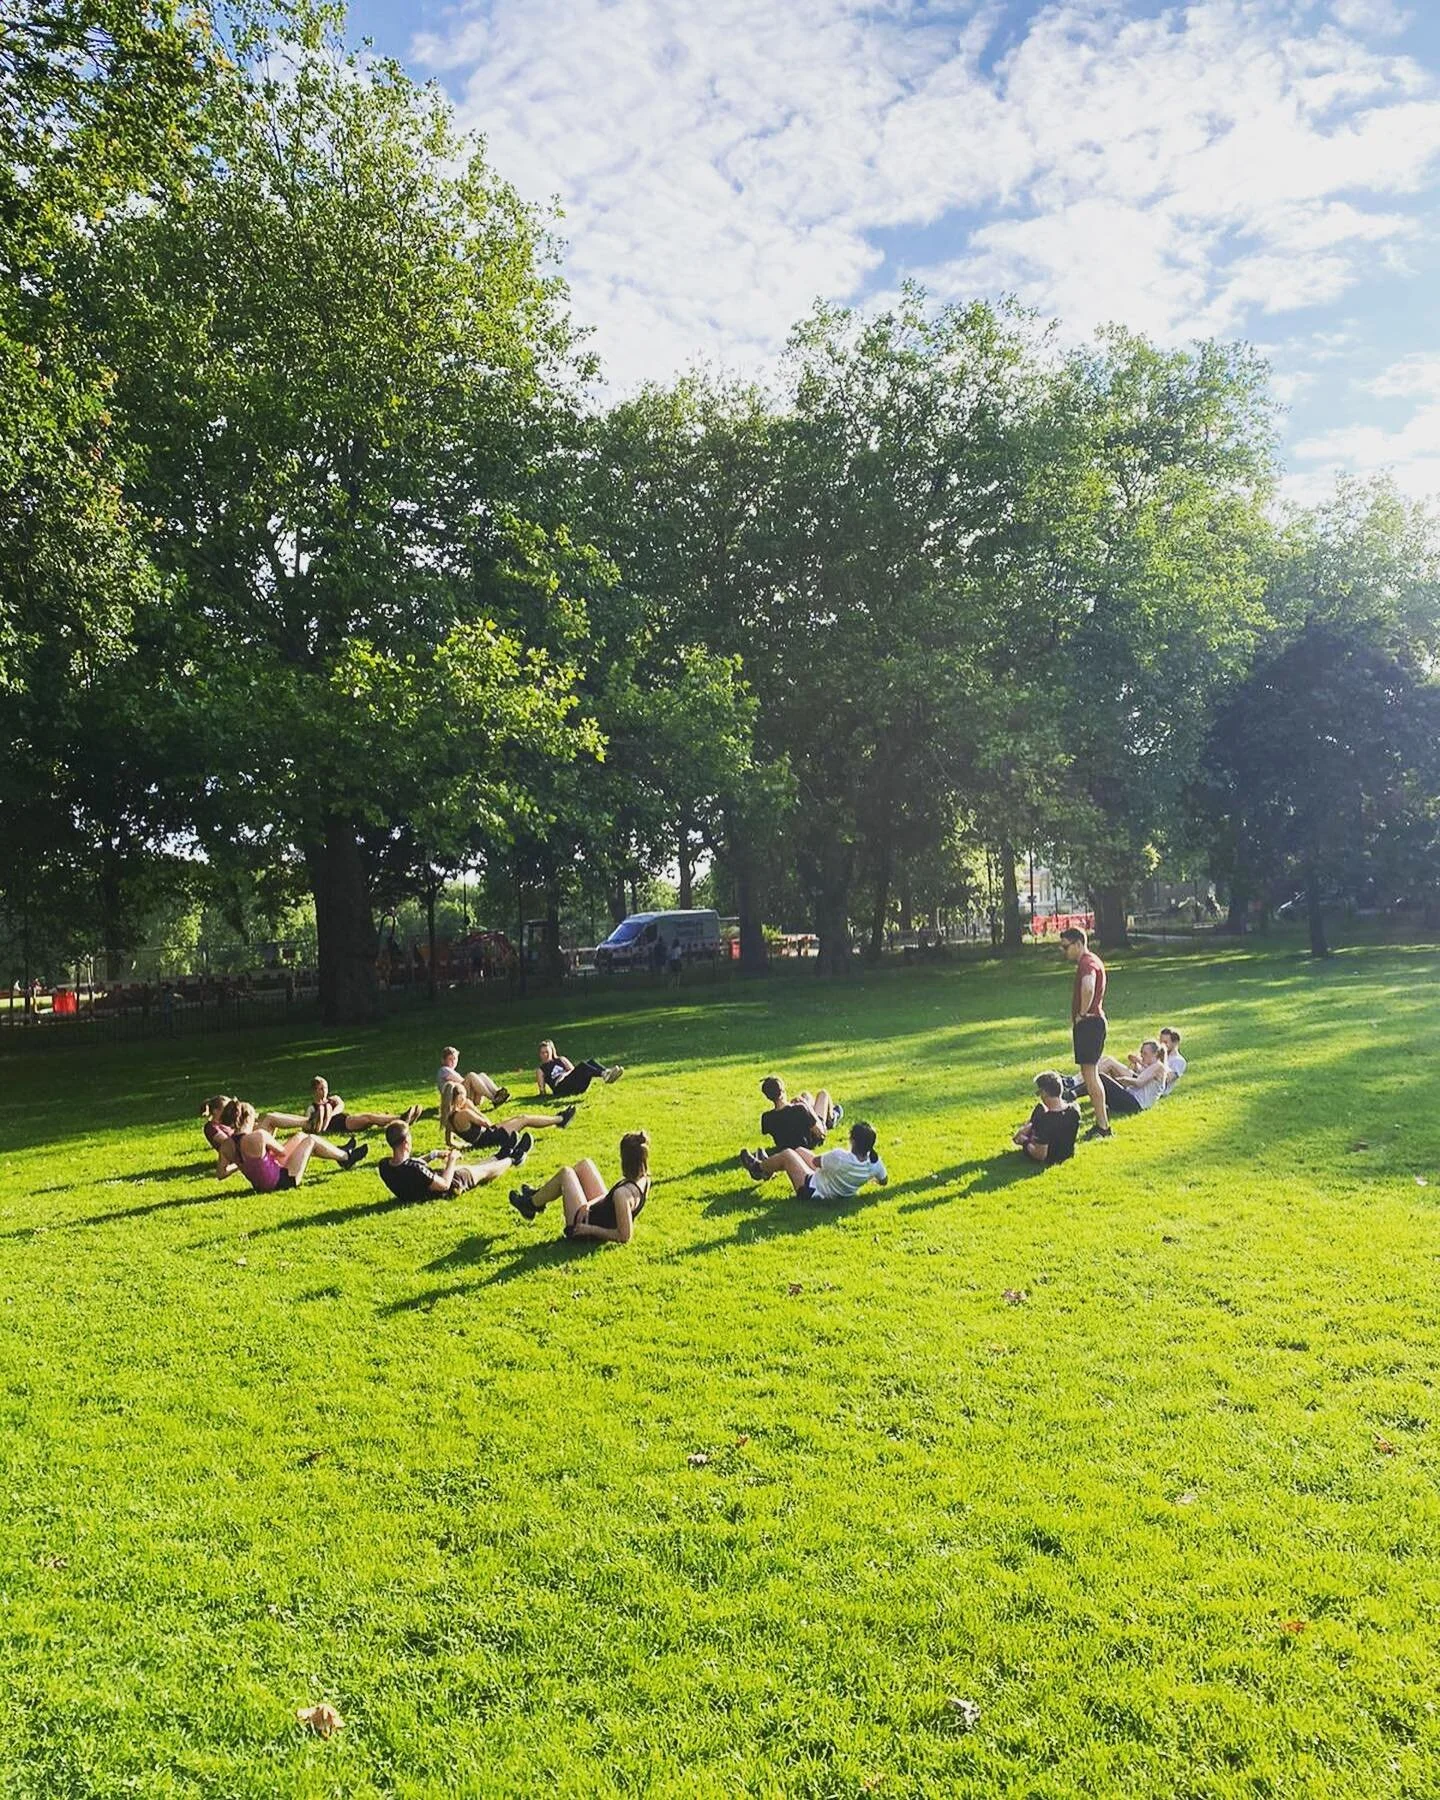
(862, 1141)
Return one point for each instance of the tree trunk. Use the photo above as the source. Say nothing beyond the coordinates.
(112, 914)
(1235, 912)
(1315, 916)
(615, 900)
(554, 962)
(1110, 911)
(433, 983)
(754, 957)
(344, 925)
(1012, 932)
(882, 902)
(687, 867)
(832, 925)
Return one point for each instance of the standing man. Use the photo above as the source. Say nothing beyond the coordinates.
(1087, 1021)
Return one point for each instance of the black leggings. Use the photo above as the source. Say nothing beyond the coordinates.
(1119, 1099)
(575, 1081)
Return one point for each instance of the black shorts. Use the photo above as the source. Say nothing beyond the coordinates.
(1088, 1037)
(808, 1191)
(1120, 1099)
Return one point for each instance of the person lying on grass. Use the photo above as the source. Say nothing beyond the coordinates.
(1048, 1135)
(591, 1209)
(481, 1132)
(328, 1113)
(217, 1134)
(801, 1123)
(410, 1177)
(265, 1162)
(477, 1087)
(835, 1175)
(557, 1075)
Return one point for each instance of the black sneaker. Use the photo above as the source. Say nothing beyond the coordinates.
(524, 1144)
(349, 1148)
(355, 1153)
(501, 1096)
(1096, 1131)
(748, 1162)
(567, 1113)
(521, 1201)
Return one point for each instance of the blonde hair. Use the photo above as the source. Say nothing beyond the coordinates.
(215, 1105)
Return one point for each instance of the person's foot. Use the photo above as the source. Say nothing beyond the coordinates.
(837, 1113)
(355, 1153)
(521, 1199)
(501, 1096)
(1096, 1131)
(750, 1163)
(567, 1113)
(349, 1148)
(524, 1144)
(613, 1073)
(412, 1113)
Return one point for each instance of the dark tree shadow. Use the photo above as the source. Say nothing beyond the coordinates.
(989, 1173)
(121, 1213)
(336, 1215)
(548, 1253)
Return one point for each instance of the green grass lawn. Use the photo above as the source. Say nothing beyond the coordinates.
(1171, 1523)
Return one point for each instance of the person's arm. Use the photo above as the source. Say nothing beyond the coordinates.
(1036, 1151)
(227, 1160)
(1087, 992)
(881, 1173)
(540, 1083)
(442, 1183)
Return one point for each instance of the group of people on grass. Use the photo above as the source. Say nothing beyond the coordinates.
(1113, 1087)
(471, 1118)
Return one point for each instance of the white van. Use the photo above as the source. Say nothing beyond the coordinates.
(631, 945)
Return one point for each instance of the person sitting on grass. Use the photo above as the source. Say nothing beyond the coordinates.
(1175, 1064)
(217, 1134)
(327, 1113)
(1135, 1090)
(835, 1175)
(410, 1177)
(557, 1075)
(1048, 1135)
(481, 1132)
(476, 1086)
(801, 1123)
(591, 1209)
(265, 1162)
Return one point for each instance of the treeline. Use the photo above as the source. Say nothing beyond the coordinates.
(327, 567)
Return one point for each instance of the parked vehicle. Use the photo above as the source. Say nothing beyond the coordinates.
(633, 944)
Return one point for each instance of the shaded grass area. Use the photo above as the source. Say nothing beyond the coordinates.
(1171, 1522)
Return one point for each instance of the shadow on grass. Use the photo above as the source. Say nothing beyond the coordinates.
(989, 1172)
(335, 1215)
(120, 1214)
(547, 1253)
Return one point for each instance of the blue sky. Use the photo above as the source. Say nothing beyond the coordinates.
(1261, 169)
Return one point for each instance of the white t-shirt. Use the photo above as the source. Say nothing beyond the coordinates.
(445, 1075)
(1177, 1069)
(1148, 1085)
(842, 1174)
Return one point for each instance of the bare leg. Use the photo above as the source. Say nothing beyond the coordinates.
(1112, 1066)
(1097, 1095)
(526, 1121)
(799, 1165)
(273, 1122)
(479, 1086)
(479, 1173)
(575, 1188)
(356, 1121)
(823, 1106)
(298, 1152)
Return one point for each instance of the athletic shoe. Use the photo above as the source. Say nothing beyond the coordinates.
(837, 1113)
(524, 1144)
(349, 1148)
(356, 1153)
(613, 1073)
(1097, 1131)
(520, 1199)
(501, 1096)
(412, 1113)
(567, 1113)
(749, 1163)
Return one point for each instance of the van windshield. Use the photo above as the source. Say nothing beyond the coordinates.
(628, 932)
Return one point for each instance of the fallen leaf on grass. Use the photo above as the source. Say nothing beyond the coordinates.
(697, 1459)
(1015, 1296)
(742, 1440)
(242, 1262)
(999, 1349)
(53, 1562)
(1420, 1181)
(323, 1719)
(1385, 1447)
(1295, 1626)
(1188, 1498)
(966, 1713)
(795, 1287)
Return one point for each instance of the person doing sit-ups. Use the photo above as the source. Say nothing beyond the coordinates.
(410, 1177)
(328, 1112)
(835, 1175)
(265, 1162)
(801, 1123)
(591, 1209)
(557, 1075)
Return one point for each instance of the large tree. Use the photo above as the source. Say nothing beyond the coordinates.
(342, 355)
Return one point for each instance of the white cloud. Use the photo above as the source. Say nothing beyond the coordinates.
(1410, 450)
(721, 167)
